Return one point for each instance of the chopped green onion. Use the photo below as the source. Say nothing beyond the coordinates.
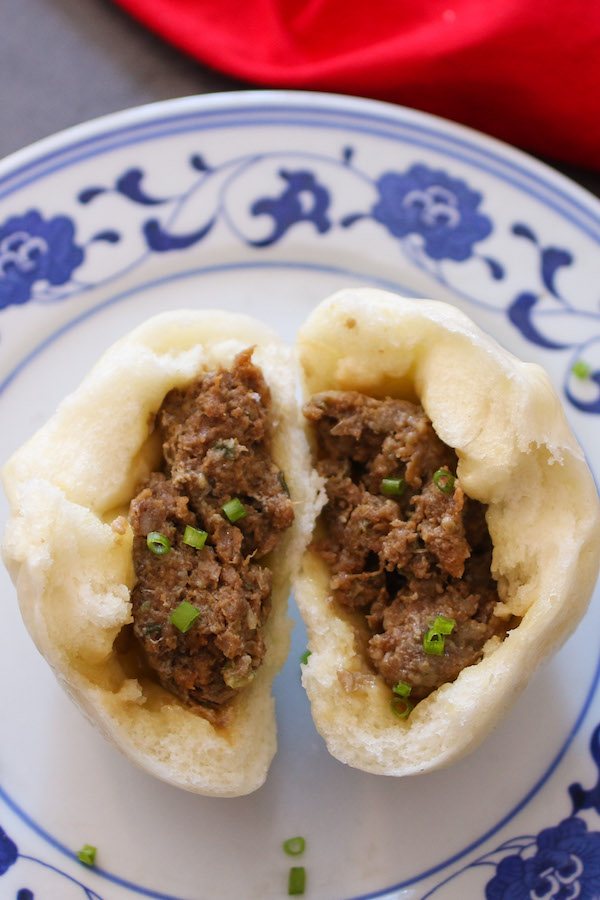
(234, 510)
(297, 880)
(87, 855)
(193, 537)
(444, 481)
(294, 846)
(152, 629)
(581, 369)
(443, 625)
(401, 707)
(392, 486)
(433, 643)
(283, 483)
(304, 657)
(158, 543)
(435, 639)
(402, 689)
(184, 616)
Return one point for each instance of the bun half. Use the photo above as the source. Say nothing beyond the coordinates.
(517, 455)
(68, 546)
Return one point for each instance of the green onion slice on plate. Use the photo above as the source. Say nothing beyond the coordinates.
(581, 369)
(87, 855)
(294, 846)
(297, 880)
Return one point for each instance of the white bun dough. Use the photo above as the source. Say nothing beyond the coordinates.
(517, 455)
(69, 549)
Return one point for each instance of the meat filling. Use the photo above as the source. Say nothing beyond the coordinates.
(402, 546)
(216, 445)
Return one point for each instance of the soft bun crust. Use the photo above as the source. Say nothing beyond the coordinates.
(517, 454)
(69, 551)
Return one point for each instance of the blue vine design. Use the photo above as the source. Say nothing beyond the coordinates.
(9, 854)
(287, 210)
(528, 316)
(561, 862)
(437, 221)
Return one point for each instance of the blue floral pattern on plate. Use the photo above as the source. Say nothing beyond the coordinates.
(9, 854)
(560, 863)
(34, 250)
(434, 216)
(441, 209)
(565, 865)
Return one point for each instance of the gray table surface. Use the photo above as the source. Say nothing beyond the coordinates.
(65, 61)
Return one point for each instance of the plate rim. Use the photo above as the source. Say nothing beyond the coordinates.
(320, 102)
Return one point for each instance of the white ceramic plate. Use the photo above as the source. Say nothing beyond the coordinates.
(267, 202)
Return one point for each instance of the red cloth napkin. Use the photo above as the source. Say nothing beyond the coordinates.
(527, 71)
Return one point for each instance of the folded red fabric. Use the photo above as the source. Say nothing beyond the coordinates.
(527, 71)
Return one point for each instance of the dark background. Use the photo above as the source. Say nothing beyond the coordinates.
(65, 61)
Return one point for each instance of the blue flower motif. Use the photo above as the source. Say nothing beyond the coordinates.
(443, 210)
(8, 852)
(35, 249)
(566, 865)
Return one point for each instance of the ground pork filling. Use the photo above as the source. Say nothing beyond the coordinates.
(216, 442)
(402, 559)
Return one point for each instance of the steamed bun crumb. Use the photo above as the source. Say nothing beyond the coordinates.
(131, 692)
